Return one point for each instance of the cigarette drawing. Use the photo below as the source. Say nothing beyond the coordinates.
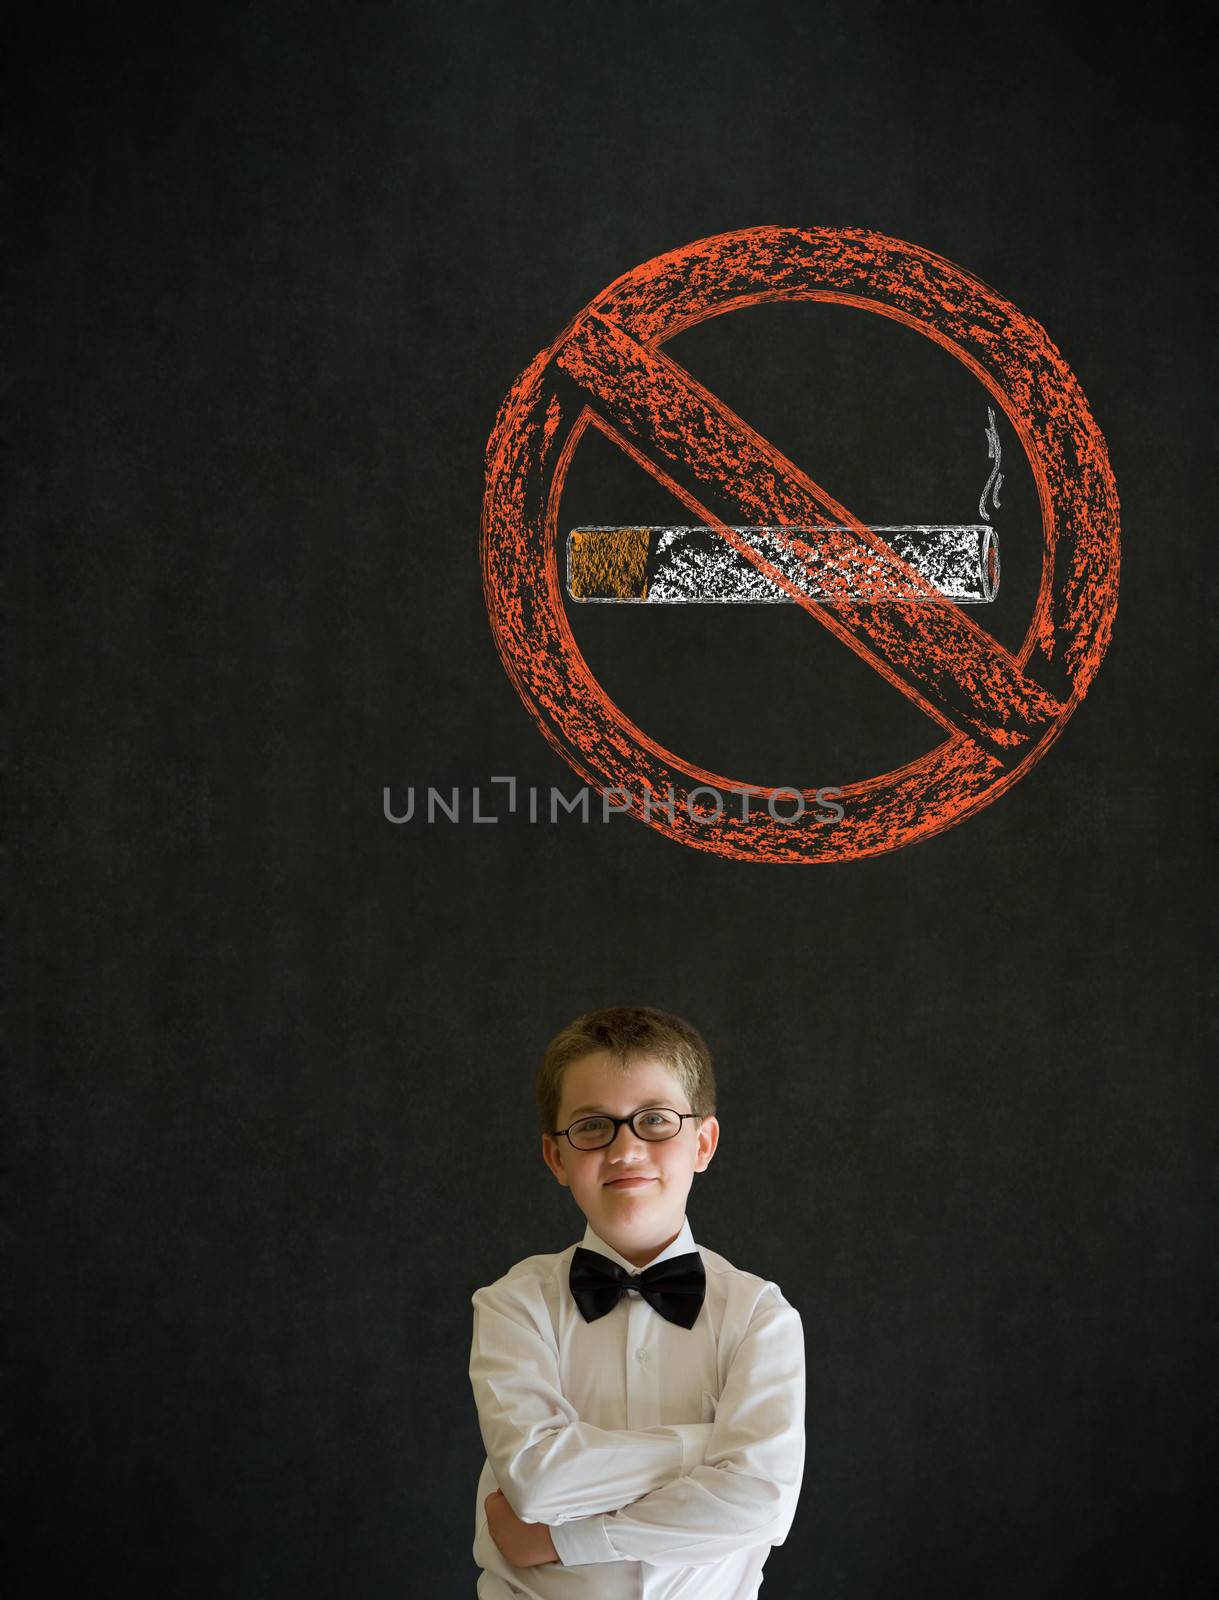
(697, 565)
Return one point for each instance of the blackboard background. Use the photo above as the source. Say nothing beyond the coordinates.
(276, 268)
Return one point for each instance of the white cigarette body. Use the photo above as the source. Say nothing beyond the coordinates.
(697, 565)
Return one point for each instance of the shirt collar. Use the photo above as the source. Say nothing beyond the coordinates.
(681, 1246)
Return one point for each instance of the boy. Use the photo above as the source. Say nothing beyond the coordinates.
(641, 1399)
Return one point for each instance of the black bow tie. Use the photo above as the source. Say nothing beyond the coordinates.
(674, 1287)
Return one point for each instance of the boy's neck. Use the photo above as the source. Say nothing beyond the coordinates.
(643, 1255)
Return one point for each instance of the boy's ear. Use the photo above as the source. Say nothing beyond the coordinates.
(708, 1138)
(553, 1157)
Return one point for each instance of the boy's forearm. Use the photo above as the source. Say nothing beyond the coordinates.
(522, 1544)
(529, 1544)
(709, 1515)
(592, 1471)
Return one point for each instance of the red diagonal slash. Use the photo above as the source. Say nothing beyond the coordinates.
(934, 654)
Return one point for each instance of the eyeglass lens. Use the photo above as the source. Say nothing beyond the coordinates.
(655, 1123)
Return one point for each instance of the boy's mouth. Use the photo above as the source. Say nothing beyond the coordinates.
(626, 1183)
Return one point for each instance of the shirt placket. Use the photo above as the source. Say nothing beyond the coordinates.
(642, 1364)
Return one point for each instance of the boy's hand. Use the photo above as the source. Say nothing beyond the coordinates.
(522, 1544)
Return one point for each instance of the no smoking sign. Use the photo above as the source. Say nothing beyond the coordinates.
(997, 712)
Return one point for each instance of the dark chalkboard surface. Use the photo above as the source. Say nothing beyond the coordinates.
(274, 270)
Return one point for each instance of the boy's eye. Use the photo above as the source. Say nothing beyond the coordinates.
(592, 1133)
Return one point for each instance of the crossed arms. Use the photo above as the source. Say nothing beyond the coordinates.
(687, 1494)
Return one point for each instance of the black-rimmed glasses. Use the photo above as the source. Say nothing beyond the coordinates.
(652, 1123)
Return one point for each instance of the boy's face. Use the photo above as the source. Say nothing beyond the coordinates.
(640, 1217)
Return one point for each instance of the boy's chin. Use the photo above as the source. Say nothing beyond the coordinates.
(637, 1219)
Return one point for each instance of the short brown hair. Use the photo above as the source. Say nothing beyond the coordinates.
(627, 1033)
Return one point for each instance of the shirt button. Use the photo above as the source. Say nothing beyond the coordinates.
(641, 1355)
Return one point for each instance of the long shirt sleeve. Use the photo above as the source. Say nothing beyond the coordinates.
(552, 1466)
(745, 1491)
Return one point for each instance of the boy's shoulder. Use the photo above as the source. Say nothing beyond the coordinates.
(738, 1281)
(526, 1276)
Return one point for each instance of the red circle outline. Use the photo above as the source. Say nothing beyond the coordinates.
(1011, 356)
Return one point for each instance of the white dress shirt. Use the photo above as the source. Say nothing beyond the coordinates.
(665, 1460)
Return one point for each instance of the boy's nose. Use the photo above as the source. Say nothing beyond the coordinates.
(630, 1136)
